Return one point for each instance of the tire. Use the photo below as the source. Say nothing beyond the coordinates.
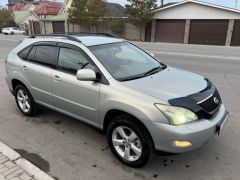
(142, 141)
(25, 101)
(12, 33)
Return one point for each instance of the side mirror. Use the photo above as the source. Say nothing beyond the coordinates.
(153, 55)
(86, 75)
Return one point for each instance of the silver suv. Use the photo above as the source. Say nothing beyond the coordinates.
(141, 104)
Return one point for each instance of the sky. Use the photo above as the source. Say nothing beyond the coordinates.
(227, 3)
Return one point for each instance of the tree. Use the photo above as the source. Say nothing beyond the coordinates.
(140, 11)
(117, 24)
(6, 19)
(87, 11)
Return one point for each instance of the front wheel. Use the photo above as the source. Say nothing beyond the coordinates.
(129, 141)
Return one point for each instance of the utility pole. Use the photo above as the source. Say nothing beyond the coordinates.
(65, 20)
(162, 3)
(236, 4)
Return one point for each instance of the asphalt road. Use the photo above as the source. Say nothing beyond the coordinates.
(70, 150)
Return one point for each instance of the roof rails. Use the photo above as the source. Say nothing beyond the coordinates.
(93, 34)
(57, 35)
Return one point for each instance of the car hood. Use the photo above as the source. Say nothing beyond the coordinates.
(168, 84)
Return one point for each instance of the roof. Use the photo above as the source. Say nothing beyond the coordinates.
(91, 40)
(197, 2)
(88, 39)
(19, 16)
(49, 8)
(114, 9)
(39, 7)
(59, 17)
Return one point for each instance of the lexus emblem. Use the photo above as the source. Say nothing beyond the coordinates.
(216, 100)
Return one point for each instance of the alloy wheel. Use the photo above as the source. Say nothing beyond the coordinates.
(127, 143)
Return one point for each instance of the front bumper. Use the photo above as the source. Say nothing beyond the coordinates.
(198, 133)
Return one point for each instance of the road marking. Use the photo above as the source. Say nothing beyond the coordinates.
(195, 55)
(10, 40)
(235, 114)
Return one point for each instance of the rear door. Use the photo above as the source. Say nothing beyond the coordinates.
(38, 68)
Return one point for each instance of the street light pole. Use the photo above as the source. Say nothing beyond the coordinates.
(236, 4)
(65, 20)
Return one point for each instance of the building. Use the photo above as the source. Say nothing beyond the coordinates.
(55, 24)
(44, 9)
(195, 22)
(27, 20)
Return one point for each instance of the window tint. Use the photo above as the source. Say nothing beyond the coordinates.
(31, 54)
(23, 54)
(45, 55)
(71, 60)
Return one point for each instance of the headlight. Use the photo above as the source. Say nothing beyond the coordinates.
(177, 115)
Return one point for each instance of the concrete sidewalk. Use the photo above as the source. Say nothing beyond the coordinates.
(14, 167)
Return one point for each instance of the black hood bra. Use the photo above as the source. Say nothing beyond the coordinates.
(204, 103)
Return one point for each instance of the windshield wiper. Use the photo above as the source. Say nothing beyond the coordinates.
(152, 71)
(131, 78)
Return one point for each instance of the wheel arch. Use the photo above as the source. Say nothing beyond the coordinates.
(114, 113)
(15, 83)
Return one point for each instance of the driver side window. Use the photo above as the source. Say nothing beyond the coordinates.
(71, 60)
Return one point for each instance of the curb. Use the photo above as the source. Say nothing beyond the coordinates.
(24, 164)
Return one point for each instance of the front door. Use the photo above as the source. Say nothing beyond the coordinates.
(79, 99)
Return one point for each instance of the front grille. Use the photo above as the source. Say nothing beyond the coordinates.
(212, 104)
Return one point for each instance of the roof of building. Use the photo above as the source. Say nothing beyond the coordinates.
(114, 9)
(19, 16)
(41, 7)
(49, 8)
(193, 9)
(196, 2)
(59, 17)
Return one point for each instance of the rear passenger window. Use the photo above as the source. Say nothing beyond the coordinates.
(45, 55)
(23, 54)
(31, 54)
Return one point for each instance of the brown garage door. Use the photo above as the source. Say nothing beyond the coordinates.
(236, 34)
(170, 31)
(58, 27)
(212, 32)
(36, 27)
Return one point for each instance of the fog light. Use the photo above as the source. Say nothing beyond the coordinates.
(182, 144)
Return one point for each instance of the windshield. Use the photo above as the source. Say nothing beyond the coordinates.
(125, 61)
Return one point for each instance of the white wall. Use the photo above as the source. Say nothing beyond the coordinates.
(195, 11)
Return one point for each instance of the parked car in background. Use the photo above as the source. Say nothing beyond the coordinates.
(12, 31)
(140, 103)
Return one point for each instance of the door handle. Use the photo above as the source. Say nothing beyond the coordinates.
(57, 78)
(24, 68)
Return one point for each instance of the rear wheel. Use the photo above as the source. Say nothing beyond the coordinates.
(25, 101)
(129, 141)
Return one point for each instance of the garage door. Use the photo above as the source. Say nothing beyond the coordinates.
(236, 34)
(170, 31)
(212, 32)
(36, 27)
(58, 27)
